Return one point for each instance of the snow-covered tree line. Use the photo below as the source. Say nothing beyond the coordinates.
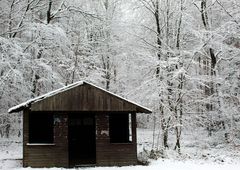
(192, 44)
(48, 44)
(181, 58)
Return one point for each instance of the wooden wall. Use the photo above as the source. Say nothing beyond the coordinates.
(86, 98)
(114, 154)
(47, 155)
(107, 154)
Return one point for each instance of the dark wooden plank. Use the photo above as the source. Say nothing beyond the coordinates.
(85, 98)
(108, 154)
(47, 156)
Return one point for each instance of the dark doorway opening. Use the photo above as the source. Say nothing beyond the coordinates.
(82, 139)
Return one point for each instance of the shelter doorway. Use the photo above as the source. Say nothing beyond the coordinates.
(82, 139)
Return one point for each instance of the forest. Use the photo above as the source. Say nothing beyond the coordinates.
(180, 58)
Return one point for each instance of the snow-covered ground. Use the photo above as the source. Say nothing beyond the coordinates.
(195, 146)
(155, 165)
(196, 154)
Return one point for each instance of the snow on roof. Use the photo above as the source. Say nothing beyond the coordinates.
(27, 103)
(65, 88)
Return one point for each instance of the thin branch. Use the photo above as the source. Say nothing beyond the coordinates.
(75, 9)
(147, 6)
(59, 10)
(23, 16)
(227, 12)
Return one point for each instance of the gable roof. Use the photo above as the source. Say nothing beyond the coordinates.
(112, 101)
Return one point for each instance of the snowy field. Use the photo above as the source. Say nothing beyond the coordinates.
(157, 165)
(197, 154)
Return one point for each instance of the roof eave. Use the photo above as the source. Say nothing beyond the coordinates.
(144, 110)
(19, 109)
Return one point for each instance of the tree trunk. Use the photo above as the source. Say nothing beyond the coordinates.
(49, 17)
(210, 90)
(165, 138)
(178, 134)
(178, 129)
(159, 42)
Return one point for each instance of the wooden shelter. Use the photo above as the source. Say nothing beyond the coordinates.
(78, 125)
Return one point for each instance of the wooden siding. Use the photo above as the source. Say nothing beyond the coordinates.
(85, 98)
(112, 154)
(46, 155)
(107, 154)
